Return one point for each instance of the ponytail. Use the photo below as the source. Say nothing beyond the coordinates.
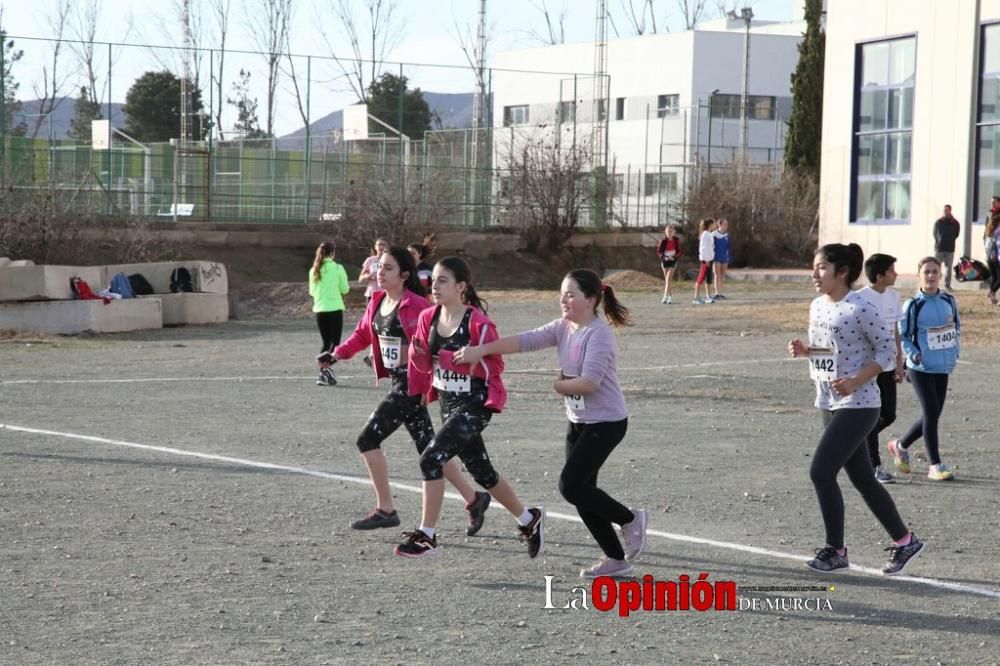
(850, 257)
(472, 298)
(406, 265)
(592, 287)
(324, 251)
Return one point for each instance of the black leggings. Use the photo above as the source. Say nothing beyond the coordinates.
(396, 409)
(461, 435)
(588, 445)
(840, 447)
(931, 389)
(331, 327)
(994, 266)
(887, 415)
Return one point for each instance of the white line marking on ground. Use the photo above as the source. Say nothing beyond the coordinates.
(932, 582)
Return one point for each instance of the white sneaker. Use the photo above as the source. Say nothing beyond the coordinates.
(634, 534)
(608, 567)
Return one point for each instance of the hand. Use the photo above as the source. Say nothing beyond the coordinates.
(469, 355)
(797, 348)
(845, 386)
(900, 373)
(420, 347)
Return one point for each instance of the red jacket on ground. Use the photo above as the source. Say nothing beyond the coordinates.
(420, 370)
(364, 336)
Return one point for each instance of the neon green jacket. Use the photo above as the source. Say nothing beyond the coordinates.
(328, 293)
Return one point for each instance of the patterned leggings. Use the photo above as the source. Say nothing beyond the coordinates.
(396, 409)
(461, 435)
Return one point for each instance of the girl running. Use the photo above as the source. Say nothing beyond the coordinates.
(369, 277)
(848, 347)
(386, 329)
(880, 269)
(420, 252)
(720, 261)
(595, 407)
(706, 253)
(991, 241)
(327, 287)
(669, 251)
(469, 396)
(930, 332)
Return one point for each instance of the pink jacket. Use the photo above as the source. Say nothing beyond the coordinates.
(420, 370)
(364, 336)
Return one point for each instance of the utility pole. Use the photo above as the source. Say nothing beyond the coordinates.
(479, 102)
(599, 134)
(746, 15)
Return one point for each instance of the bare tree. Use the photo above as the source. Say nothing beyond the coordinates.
(269, 22)
(692, 12)
(555, 23)
(188, 14)
(371, 37)
(220, 24)
(293, 76)
(637, 17)
(53, 81)
(467, 38)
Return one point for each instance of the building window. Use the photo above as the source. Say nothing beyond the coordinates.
(883, 131)
(617, 185)
(567, 112)
(988, 124)
(667, 105)
(659, 183)
(620, 108)
(759, 107)
(515, 115)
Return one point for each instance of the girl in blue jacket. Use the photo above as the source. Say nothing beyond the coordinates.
(930, 333)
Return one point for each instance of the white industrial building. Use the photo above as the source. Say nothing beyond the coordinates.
(911, 122)
(660, 88)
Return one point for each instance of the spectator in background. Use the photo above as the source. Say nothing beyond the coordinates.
(720, 263)
(945, 234)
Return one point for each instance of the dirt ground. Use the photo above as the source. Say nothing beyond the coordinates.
(182, 496)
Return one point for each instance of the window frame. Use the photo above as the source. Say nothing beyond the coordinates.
(509, 113)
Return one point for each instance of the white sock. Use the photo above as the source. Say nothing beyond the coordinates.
(429, 531)
(525, 518)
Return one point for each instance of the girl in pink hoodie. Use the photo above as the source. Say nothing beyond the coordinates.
(469, 396)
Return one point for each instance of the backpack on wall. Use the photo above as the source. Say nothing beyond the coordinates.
(140, 285)
(121, 285)
(180, 280)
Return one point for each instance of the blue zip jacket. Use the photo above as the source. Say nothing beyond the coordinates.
(922, 313)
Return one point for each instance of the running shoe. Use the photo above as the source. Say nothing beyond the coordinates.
(417, 545)
(323, 380)
(719, 297)
(883, 476)
(828, 559)
(698, 301)
(940, 472)
(330, 379)
(375, 520)
(901, 456)
(533, 533)
(709, 300)
(477, 512)
(608, 567)
(900, 556)
(664, 300)
(634, 534)
(669, 300)
(368, 361)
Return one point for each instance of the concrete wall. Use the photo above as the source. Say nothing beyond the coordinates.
(943, 121)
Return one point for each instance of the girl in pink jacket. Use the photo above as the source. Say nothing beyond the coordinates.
(469, 396)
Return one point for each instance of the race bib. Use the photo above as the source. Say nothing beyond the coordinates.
(669, 255)
(391, 351)
(823, 364)
(942, 337)
(574, 403)
(451, 381)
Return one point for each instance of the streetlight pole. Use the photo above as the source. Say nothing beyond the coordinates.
(746, 15)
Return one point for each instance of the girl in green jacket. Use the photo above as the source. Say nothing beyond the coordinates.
(328, 285)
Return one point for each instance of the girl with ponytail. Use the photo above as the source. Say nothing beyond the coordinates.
(327, 286)
(595, 407)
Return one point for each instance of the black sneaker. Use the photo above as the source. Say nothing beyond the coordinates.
(828, 559)
(900, 556)
(376, 520)
(323, 379)
(368, 361)
(477, 512)
(533, 533)
(417, 545)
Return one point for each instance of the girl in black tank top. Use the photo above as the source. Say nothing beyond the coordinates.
(445, 379)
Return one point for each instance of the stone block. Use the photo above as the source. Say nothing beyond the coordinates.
(182, 309)
(73, 317)
(44, 283)
(207, 276)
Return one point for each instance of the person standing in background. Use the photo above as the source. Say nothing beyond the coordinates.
(945, 234)
(328, 286)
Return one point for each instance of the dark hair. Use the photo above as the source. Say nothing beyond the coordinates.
(878, 264)
(407, 265)
(850, 257)
(706, 223)
(425, 248)
(324, 250)
(460, 269)
(592, 286)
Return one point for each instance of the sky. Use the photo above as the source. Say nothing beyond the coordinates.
(428, 37)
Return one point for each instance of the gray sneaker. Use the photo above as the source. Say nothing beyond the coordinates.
(883, 476)
(827, 559)
(608, 567)
(900, 556)
(634, 534)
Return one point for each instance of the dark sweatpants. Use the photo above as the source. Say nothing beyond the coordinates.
(931, 389)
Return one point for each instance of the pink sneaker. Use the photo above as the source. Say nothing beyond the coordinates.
(608, 567)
